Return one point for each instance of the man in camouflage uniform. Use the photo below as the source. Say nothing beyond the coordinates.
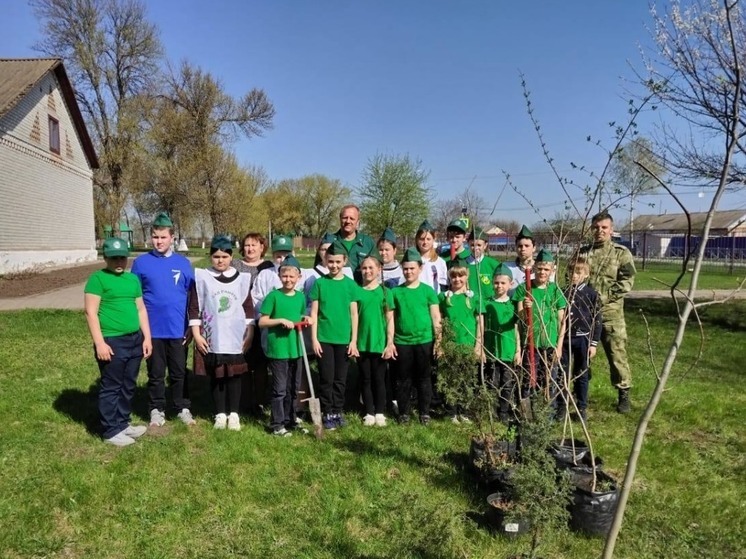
(612, 275)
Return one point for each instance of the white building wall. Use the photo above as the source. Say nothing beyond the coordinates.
(46, 200)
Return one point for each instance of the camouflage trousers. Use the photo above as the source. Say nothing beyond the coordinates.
(614, 342)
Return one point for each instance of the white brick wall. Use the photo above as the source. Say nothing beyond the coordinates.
(46, 200)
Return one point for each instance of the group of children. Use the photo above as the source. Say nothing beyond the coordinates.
(390, 323)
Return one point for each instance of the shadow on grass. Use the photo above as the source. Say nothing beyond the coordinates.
(730, 315)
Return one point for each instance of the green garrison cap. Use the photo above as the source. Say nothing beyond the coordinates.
(282, 242)
(162, 220)
(544, 256)
(524, 233)
(290, 260)
(503, 270)
(461, 224)
(480, 235)
(114, 246)
(375, 255)
(411, 255)
(425, 226)
(221, 242)
(327, 239)
(388, 235)
(336, 249)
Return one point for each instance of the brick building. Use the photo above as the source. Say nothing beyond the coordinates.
(46, 168)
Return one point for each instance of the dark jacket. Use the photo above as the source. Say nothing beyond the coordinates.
(585, 312)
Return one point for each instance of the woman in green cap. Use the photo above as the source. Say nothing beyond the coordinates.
(221, 316)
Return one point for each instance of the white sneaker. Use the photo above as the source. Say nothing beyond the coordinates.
(234, 424)
(186, 417)
(464, 419)
(220, 421)
(134, 431)
(380, 420)
(369, 420)
(282, 432)
(157, 418)
(120, 439)
(455, 420)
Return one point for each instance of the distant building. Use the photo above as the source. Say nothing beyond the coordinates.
(665, 235)
(46, 168)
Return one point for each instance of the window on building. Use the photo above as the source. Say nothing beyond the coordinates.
(54, 135)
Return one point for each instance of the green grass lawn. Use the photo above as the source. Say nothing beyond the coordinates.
(661, 276)
(361, 492)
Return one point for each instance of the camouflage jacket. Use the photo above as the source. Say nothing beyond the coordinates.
(612, 273)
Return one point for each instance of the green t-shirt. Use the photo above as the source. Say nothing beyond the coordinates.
(371, 330)
(281, 342)
(117, 311)
(412, 322)
(335, 297)
(500, 318)
(547, 303)
(462, 312)
(483, 279)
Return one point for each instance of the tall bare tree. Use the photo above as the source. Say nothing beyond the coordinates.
(112, 54)
(701, 50)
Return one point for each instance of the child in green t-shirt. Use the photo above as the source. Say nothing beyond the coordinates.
(462, 310)
(502, 346)
(375, 340)
(118, 323)
(334, 324)
(281, 310)
(547, 304)
(416, 333)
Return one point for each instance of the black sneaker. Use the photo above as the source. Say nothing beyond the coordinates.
(425, 419)
(403, 419)
(329, 422)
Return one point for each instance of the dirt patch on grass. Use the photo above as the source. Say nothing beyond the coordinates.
(33, 283)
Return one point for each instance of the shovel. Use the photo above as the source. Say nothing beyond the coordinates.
(314, 405)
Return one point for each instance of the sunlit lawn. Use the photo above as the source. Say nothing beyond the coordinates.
(361, 492)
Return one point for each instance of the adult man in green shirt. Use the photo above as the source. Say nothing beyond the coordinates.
(612, 275)
(358, 245)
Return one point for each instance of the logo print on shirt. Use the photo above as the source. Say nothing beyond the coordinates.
(225, 304)
(177, 275)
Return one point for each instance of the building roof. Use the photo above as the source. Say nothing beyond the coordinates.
(19, 75)
(725, 220)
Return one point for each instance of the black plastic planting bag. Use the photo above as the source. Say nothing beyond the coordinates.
(568, 453)
(592, 512)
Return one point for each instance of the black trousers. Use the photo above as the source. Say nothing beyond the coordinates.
(580, 374)
(414, 365)
(546, 373)
(333, 365)
(372, 369)
(285, 385)
(503, 378)
(168, 354)
(226, 393)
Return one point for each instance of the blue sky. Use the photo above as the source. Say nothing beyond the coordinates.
(436, 79)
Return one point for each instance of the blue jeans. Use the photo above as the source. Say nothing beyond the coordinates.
(118, 381)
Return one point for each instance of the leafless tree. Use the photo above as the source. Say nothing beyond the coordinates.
(112, 54)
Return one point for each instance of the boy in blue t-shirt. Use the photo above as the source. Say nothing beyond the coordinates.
(166, 279)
